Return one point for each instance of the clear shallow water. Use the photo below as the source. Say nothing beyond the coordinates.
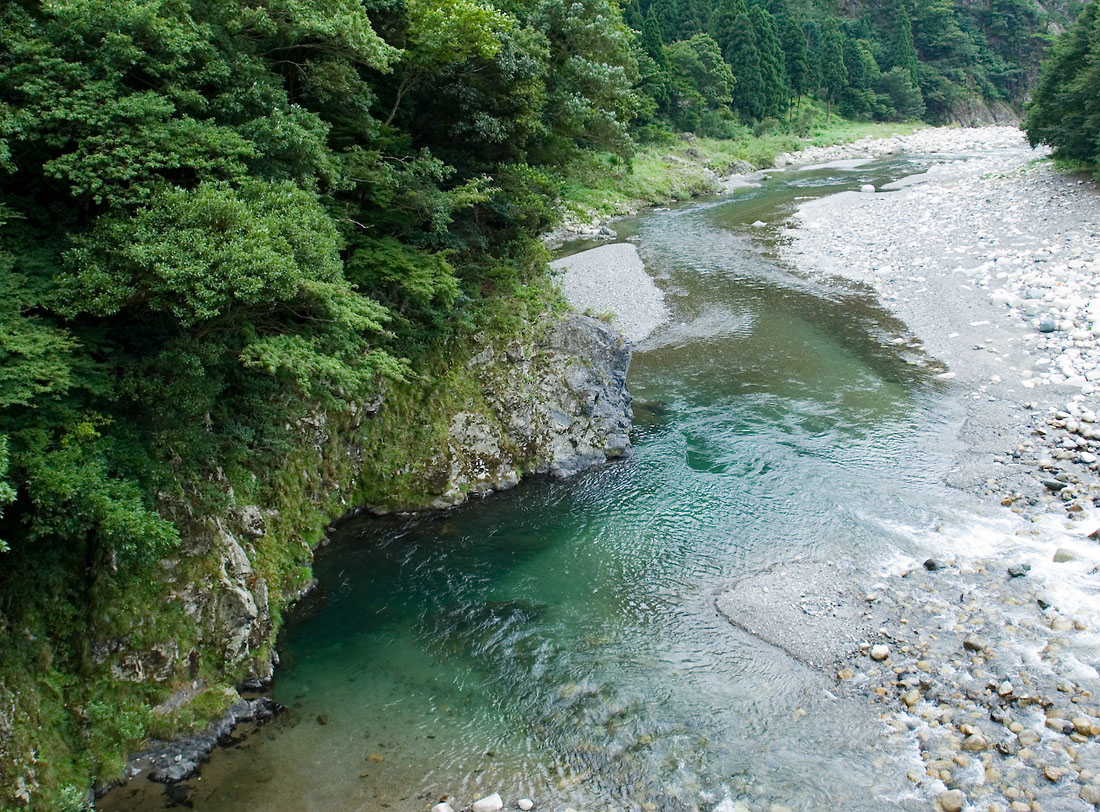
(560, 641)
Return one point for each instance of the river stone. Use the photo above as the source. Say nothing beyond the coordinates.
(1062, 555)
(809, 609)
(867, 188)
(443, 806)
(880, 652)
(1028, 737)
(1047, 324)
(1090, 794)
(525, 804)
(974, 743)
(1055, 774)
(952, 801)
(490, 803)
(932, 564)
(972, 643)
(1019, 570)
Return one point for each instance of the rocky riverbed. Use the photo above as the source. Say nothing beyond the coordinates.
(983, 657)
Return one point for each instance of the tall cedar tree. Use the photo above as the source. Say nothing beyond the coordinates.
(722, 20)
(834, 76)
(903, 51)
(743, 56)
(772, 68)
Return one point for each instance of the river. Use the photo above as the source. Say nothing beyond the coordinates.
(560, 641)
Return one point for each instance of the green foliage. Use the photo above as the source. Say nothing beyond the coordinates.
(833, 73)
(903, 50)
(701, 79)
(1065, 112)
(773, 72)
(7, 492)
(590, 78)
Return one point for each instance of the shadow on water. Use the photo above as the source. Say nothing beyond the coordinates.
(560, 640)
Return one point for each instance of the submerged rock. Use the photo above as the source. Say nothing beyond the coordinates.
(490, 803)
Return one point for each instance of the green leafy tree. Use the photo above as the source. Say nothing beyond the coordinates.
(858, 99)
(656, 81)
(743, 56)
(1065, 110)
(442, 33)
(667, 14)
(897, 97)
(701, 80)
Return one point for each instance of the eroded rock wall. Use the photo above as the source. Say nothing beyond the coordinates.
(553, 401)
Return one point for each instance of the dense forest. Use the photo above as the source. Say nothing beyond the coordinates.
(219, 217)
(1065, 112)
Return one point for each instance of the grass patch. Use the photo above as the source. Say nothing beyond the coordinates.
(671, 168)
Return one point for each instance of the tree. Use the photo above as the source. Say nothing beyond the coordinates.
(656, 81)
(834, 76)
(591, 75)
(1065, 110)
(858, 99)
(772, 68)
(723, 21)
(796, 55)
(743, 56)
(701, 79)
(667, 14)
(903, 51)
(446, 32)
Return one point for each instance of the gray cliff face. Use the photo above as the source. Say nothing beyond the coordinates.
(560, 406)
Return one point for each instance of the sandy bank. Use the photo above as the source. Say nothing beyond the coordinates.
(983, 659)
(612, 280)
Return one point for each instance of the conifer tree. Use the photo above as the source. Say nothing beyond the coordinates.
(772, 69)
(667, 14)
(694, 17)
(653, 64)
(796, 54)
(632, 15)
(743, 55)
(834, 76)
(903, 52)
(722, 21)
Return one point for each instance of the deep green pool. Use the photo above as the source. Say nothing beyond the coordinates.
(560, 641)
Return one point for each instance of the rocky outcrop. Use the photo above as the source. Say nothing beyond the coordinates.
(559, 405)
(552, 401)
(979, 112)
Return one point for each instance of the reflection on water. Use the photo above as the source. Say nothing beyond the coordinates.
(560, 641)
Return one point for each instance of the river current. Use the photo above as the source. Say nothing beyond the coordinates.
(560, 641)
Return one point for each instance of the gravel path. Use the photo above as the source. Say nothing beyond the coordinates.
(612, 280)
(984, 658)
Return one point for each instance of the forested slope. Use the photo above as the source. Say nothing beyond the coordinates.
(1066, 110)
(225, 221)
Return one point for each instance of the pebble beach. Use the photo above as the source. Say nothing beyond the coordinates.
(983, 657)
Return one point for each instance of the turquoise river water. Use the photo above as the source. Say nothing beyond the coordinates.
(560, 641)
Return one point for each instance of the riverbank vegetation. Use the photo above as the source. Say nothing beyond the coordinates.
(221, 220)
(1066, 110)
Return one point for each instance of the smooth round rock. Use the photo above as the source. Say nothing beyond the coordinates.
(880, 652)
(525, 804)
(952, 801)
(490, 803)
